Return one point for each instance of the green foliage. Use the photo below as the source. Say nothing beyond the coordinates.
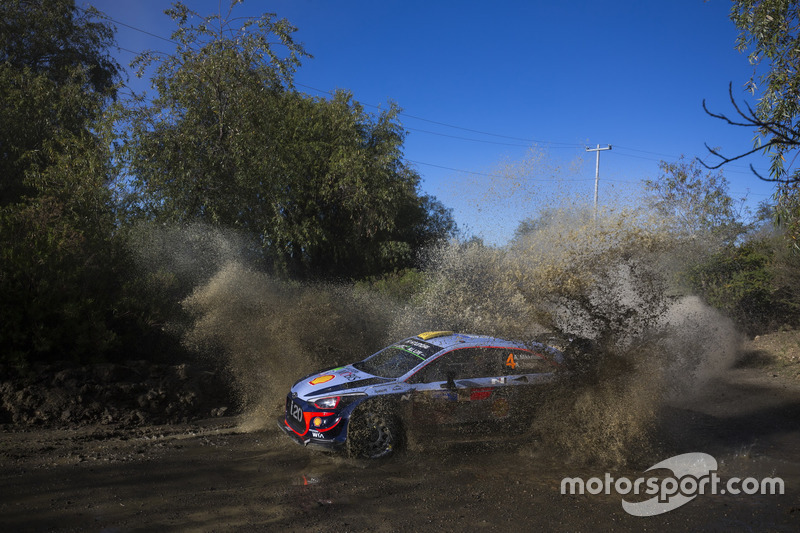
(737, 281)
(401, 285)
(226, 142)
(787, 213)
(53, 38)
(695, 204)
(55, 74)
(769, 31)
(785, 272)
(755, 283)
(59, 266)
(57, 261)
(51, 280)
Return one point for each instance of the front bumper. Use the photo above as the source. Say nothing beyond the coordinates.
(327, 444)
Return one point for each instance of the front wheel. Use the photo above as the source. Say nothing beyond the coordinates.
(373, 435)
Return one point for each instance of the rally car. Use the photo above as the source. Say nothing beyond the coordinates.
(437, 381)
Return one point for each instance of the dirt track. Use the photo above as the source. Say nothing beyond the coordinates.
(214, 476)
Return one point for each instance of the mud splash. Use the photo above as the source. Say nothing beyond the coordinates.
(270, 332)
(606, 285)
(264, 332)
(609, 284)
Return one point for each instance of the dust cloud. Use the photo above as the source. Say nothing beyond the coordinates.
(606, 285)
(271, 332)
(266, 333)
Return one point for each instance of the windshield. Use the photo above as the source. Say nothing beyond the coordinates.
(397, 359)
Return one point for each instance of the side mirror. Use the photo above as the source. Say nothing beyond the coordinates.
(451, 383)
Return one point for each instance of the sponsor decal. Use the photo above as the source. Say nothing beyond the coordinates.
(349, 375)
(445, 395)
(480, 394)
(296, 412)
(419, 349)
(321, 379)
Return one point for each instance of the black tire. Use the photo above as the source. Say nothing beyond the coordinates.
(373, 434)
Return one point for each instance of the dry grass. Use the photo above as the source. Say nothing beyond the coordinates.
(777, 352)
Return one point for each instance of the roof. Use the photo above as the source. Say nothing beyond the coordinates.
(446, 339)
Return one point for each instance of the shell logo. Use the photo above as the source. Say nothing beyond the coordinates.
(321, 379)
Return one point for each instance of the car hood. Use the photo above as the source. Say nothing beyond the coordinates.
(337, 380)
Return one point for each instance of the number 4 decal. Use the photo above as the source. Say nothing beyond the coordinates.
(510, 361)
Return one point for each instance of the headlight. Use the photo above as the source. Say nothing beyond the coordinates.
(328, 403)
(337, 402)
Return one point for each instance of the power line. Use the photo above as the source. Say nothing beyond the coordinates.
(728, 168)
(486, 174)
(527, 145)
(444, 124)
(402, 113)
(464, 138)
(534, 141)
(450, 168)
(104, 16)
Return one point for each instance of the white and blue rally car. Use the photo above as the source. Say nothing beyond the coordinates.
(438, 381)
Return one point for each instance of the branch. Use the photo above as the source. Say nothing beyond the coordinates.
(782, 136)
(726, 160)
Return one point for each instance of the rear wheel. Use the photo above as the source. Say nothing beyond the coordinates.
(373, 435)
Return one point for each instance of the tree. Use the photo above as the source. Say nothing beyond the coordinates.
(737, 281)
(770, 31)
(56, 273)
(55, 74)
(696, 204)
(226, 141)
(194, 147)
(352, 208)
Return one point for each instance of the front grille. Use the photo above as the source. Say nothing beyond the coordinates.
(293, 409)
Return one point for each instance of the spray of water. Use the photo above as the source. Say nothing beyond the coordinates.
(270, 332)
(609, 279)
(264, 332)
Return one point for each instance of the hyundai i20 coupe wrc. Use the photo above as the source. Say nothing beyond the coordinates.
(436, 382)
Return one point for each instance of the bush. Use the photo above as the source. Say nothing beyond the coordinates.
(753, 283)
(400, 285)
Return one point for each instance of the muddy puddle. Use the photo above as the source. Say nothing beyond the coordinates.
(217, 476)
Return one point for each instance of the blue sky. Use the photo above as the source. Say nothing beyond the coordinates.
(485, 85)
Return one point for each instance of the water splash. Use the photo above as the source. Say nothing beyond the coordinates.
(271, 332)
(610, 279)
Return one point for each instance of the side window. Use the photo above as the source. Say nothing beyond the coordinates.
(464, 363)
(524, 362)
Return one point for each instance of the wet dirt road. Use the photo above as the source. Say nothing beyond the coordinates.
(215, 477)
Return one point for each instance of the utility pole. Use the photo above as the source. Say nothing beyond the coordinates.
(597, 172)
